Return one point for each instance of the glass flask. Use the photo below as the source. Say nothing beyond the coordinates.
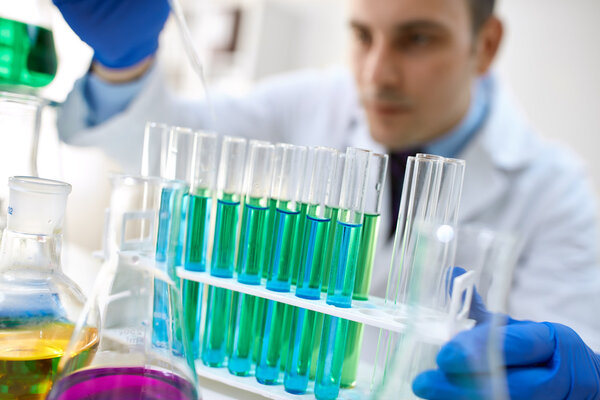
(39, 305)
(143, 351)
(27, 52)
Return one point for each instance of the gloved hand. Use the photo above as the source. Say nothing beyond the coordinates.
(543, 361)
(121, 32)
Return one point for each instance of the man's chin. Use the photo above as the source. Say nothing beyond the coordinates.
(393, 140)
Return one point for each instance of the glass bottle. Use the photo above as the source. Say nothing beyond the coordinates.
(27, 52)
(39, 305)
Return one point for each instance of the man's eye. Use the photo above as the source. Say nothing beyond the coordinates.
(415, 40)
(362, 36)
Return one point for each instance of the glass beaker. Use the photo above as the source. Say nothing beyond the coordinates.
(27, 53)
(39, 305)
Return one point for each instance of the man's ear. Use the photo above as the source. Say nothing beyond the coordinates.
(488, 43)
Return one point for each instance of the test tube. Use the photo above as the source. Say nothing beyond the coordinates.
(199, 203)
(431, 195)
(285, 193)
(253, 233)
(154, 155)
(251, 253)
(314, 244)
(318, 218)
(174, 149)
(305, 191)
(203, 183)
(229, 193)
(366, 257)
(348, 228)
(342, 274)
(178, 162)
(333, 202)
(297, 250)
(229, 189)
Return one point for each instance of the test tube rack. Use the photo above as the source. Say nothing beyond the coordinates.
(437, 328)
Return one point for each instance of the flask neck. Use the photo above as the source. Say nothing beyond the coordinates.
(30, 252)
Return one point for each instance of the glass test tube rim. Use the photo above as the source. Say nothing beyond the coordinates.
(276, 193)
(347, 201)
(250, 171)
(318, 198)
(224, 171)
(194, 185)
(380, 181)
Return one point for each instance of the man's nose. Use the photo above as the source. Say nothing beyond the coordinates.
(382, 66)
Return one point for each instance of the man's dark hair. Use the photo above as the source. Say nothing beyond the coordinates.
(481, 10)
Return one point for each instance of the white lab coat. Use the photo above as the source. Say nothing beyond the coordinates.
(514, 180)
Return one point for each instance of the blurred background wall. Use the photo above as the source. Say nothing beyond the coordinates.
(550, 58)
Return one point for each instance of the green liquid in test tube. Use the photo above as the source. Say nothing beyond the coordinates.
(333, 206)
(366, 258)
(251, 254)
(283, 242)
(299, 234)
(333, 203)
(217, 325)
(322, 190)
(286, 190)
(191, 156)
(251, 246)
(240, 353)
(290, 316)
(196, 255)
(342, 274)
(226, 224)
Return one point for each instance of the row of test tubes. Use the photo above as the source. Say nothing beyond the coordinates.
(300, 219)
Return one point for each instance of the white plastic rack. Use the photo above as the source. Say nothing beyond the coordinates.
(435, 328)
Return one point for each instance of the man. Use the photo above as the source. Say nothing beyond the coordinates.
(420, 82)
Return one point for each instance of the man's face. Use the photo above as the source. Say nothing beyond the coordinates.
(413, 61)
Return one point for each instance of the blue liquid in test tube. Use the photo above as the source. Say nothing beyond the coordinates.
(343, 266)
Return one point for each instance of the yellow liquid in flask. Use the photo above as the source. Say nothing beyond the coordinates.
(29, 357)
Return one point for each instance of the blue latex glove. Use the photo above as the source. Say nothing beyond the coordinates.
(543, 361)
(121, 32)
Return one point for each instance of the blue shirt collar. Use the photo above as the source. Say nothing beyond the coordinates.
(451, 144)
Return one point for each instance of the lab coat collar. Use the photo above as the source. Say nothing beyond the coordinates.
(505, 144)
(506, 137)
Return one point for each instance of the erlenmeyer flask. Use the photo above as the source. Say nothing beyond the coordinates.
(143, 351)
(129, 363)
(39, 305)
(27, 53)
